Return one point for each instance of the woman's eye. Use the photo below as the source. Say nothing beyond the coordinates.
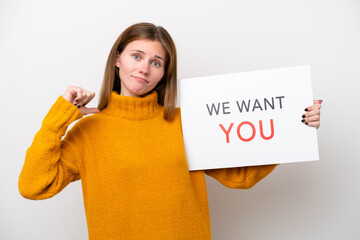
(157, 64)
(137, 57)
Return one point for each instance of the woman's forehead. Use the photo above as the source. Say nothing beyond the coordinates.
(148, 47)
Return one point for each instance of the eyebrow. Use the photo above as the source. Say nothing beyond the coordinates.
(136, 50)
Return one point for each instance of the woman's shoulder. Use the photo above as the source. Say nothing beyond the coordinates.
(177, 114)
(89, 121)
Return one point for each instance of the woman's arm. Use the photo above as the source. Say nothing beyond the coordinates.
(237, 177)
(247, 177)
(241, 177)
(51, 163)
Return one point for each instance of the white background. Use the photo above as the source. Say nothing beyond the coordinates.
(46, 46)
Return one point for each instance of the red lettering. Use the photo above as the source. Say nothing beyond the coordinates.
(272, 130)
(226, 131)
(253, 129)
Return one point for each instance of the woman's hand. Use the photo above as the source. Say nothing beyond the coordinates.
(312, 115)
(80, 97)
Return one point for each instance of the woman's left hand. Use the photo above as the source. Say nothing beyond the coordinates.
(312, 115)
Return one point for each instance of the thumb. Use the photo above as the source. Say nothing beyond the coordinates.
(318, 101)
(86, 111)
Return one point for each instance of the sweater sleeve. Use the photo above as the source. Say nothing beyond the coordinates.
(237, 177)
(50, 162)
(241, 177)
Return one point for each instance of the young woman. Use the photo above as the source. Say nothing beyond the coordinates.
(129, 154)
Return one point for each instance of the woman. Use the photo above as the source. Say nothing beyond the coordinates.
(130, 155)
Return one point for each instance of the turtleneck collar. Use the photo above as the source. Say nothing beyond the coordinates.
(133, 108)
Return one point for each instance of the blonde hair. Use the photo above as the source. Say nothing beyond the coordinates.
(166, 88)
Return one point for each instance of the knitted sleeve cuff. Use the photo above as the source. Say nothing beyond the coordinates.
(61, 115)
(241, 177)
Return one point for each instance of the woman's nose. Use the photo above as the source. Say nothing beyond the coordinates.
(144, 68)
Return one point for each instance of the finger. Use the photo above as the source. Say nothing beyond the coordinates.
(71, 93)
(314, 124)
(312, 107)
(85, 99)
(89, 96)
(86, 111)
(77, 94)
(311, 113)
(317, 101)
(312, 118)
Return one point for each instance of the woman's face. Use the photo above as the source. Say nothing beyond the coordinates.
(141, 66)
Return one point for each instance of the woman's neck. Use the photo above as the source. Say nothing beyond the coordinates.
(133, 108)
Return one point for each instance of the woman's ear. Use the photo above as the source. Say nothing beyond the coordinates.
(117, 60)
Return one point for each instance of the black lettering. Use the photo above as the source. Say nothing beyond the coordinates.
(257, 105)
(267, 102)
(213, 108)
(280, 100)
(243, 105)
(223, 105)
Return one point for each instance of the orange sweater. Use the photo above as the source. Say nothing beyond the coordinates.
(134, 174)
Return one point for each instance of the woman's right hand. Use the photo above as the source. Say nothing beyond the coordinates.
(80, 97)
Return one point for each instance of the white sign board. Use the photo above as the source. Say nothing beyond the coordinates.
(246, 119)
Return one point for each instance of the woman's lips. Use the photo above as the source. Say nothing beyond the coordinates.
(141, 79)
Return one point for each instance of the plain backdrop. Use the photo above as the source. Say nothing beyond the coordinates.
(46, 46)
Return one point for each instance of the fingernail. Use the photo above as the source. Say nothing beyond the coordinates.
(306, 110)
(303, 116)
(303, 120)
(306, 123)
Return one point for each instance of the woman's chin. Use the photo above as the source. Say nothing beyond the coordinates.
(135, 90)
(139, 92)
